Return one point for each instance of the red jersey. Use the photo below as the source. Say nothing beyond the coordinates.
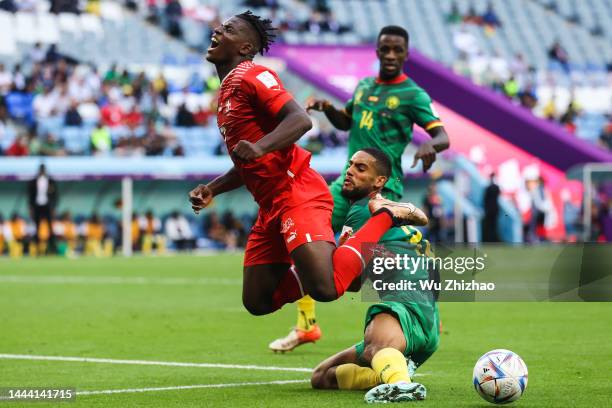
(249, 101)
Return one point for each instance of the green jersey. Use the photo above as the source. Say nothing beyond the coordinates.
(416, 310)
(383, 115)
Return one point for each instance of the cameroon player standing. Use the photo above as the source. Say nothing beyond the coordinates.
(381, 114)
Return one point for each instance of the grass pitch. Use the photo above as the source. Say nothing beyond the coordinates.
(188, 309)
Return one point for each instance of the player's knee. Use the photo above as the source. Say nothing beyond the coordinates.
(256, 308)
(323, 293)
(321, 379)
(371, 349)
(317, 379)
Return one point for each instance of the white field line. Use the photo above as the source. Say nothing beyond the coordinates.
(115, 280)
(189, 387)
(160, 363)
(147, 362)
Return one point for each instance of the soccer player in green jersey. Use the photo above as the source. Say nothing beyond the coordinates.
(404, 325)
(381, 114)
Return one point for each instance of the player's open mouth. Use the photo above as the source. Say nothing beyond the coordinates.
(347, 182)
(214, 43)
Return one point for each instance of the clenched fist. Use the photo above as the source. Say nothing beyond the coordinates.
(247, 151)
(200, 197)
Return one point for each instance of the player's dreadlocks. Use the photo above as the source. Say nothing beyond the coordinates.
(263, 27)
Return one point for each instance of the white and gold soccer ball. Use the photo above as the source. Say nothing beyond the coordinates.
(500, 376)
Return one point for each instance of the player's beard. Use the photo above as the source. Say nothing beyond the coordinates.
(355, 194)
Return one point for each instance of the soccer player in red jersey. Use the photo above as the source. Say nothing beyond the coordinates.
(290, 250)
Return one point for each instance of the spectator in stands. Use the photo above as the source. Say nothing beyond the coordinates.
(18, 230)
(540, 205)
(42, 199)
(19, 80)
(490, 18)
(511, 87)
(173, 14)
(72, 116)
(136, 232)
(605, 138)
(518, 66)
(472, 17)
(491, 211)
(235, 229)
(37, 54)
(64, 6)
(51, 146)
(44, 104)
(94, 233)
(184, 118)
(216, 231)
(8, 5)
(154, 143)
(315, 22)
(454, 16)
(527, 97)
(66, 231)
(179, 231)
(500, 71)
(19, 147)
(465, 41)
(7, 128)
(150, 227)
(569, 117)
(6, 80)
(549, 111)
(571, 216)
(101, 142)
(558, 54)
(112, 113)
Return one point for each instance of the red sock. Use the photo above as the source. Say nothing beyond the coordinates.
(350, 259)
(288, 290)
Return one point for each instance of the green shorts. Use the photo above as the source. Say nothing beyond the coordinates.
(421, 342)
(342, 204)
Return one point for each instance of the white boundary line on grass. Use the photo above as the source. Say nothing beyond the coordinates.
(114, 280)
(189, 387)
(159, 363)
(148, 362)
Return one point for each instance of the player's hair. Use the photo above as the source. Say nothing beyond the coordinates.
(394, 30)
(383, 164)
(263, 27)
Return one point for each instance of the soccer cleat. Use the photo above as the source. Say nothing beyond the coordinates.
(412, 367)
(295, 338)
(397, 392)
(402, 213)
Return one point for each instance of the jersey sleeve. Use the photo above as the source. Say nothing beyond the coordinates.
(357, 216)
(265, 89)
(422, 112)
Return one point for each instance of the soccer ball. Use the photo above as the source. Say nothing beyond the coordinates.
(500, 376)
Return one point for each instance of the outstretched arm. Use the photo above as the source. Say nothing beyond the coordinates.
(201, 196)
(339, 118)
(294, 122)
(428, 150)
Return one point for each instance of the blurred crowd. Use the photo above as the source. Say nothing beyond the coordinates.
(97, 235)
(171, 14)
(116, 111)
(515, 78)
